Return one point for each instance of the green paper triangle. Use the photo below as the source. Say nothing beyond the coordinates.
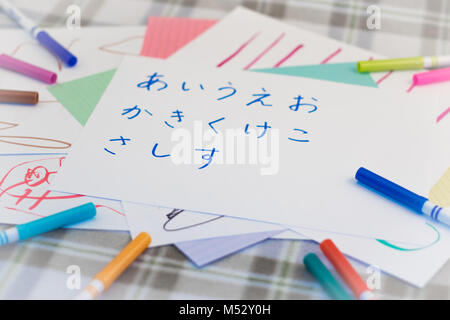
(81, 96)
(336, 72)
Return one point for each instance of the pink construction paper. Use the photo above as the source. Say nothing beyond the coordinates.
(165, 35)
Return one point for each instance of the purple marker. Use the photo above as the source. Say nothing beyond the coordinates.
(27, 69)
(41, 36)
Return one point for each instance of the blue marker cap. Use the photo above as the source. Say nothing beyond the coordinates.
(55, 221)
(390, 189)
(62, 53)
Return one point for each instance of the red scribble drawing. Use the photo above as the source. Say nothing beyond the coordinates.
(107, 47)
(289, 55)
(264, 52)
(26, 185)
(384, 77)
(331, 56)
(29, 181)
(241, 47)
(442, 115)
(32, 142)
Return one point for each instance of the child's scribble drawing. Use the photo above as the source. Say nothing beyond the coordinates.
(24, 187)
(32, 142)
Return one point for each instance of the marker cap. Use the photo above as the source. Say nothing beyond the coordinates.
(62, 53)
(433, 76)
(19, 97)
(390, 189)
(326, 279)
(27, 69)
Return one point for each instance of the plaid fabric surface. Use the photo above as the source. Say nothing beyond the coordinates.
(38, 268)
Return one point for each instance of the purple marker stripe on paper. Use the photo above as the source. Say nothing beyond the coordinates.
(205, 251)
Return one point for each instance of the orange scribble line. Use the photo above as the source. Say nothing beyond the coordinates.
(105, 46)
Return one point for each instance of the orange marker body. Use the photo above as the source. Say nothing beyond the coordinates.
(114, 269)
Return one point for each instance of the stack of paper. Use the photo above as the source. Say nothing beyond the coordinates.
(252, 130)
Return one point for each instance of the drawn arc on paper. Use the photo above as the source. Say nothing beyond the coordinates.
(395, 247)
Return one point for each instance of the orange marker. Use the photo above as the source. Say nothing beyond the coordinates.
(114, 269)
(346, 271)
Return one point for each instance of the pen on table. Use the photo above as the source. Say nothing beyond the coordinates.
(346, 271)
(115, 268)
(403, 63)
(41, 36)
(326, 279)
(27, 69)
(433, 76)
(49, 223)
(410, 199)
(20, 97)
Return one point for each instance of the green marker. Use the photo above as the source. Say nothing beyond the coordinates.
(403, 63)
(326, 279)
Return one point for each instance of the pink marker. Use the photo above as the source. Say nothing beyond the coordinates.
(433, 76)
(27, 69)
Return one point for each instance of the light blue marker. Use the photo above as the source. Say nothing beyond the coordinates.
(41, 36)
(52, 222)
(408, 198)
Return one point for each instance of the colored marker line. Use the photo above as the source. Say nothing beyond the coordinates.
(442, 115)
(384, 77)
(331, 56)
(288, 56)
(263, 53)
(116, 267)
(242, 47)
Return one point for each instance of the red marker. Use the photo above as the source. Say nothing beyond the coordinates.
(346, 271)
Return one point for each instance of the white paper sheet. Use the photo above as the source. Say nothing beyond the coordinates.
(169, 226)
(348, 130)
(25, 194)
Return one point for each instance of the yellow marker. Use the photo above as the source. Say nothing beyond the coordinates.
(403, 63)
(114, 269)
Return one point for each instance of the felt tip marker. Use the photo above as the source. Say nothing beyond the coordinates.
(346, 270)
(116, 267)
(40, 35)
(403, 63)
(49, 223)
(408, 198)
(433, 76)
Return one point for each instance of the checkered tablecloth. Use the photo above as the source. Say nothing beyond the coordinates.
(40, 267)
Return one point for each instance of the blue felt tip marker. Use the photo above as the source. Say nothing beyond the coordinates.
(41, 36)
(49, 223)
(404, 196)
